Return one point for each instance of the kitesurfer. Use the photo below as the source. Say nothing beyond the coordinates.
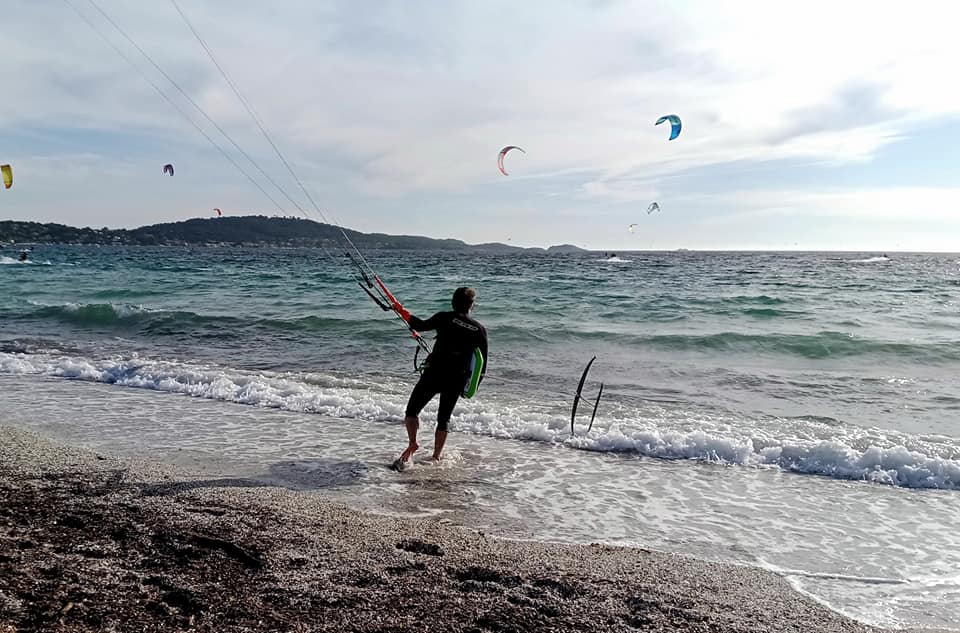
(447, 368)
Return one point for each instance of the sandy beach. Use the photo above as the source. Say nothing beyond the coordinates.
(91, 542)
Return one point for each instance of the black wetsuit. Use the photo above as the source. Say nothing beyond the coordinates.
(448, 366)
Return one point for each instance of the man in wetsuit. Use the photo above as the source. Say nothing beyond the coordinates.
(447, 367)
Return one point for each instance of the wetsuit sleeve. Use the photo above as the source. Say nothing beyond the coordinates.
(483, 350)
(429, 324)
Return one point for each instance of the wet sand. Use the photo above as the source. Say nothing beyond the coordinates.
(92, 542)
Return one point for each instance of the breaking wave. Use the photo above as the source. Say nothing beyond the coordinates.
(807, 447)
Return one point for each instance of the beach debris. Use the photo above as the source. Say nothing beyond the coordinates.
(410, 568)
(63, 612)
(487, 575)
(7, 176)
(674, 124)
(168, 169)
(503, 153)
(579, 396)
(229, 548)
(420, 547)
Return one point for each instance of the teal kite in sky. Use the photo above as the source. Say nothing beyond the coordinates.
(674, 125)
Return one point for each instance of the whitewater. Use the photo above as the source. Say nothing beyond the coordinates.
(796, 411)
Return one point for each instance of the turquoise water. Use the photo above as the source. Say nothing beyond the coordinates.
(791, 410)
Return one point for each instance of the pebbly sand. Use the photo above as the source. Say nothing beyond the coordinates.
(91, 542)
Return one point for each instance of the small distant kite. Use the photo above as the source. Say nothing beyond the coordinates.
(503, 153)
(219, 213)
(630, 228)
(7, 176)
(653, 207)
(168, 169)
(674, 125)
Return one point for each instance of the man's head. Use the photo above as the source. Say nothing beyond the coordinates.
(463, 299)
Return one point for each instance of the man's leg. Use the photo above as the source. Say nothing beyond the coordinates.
(439, 439)
(448, 399)
(412, 423)
(424, 390)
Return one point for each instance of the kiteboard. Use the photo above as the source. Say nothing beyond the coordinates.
(476, 370)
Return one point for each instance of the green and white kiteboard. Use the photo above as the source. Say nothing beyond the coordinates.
(476, 369)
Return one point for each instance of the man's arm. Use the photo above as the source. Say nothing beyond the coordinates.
(483, 350)
(426, 326)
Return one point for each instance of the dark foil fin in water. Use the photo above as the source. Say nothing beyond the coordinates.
(579, 396)
(595, 405)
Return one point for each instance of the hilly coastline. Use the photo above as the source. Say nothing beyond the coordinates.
(254, 230)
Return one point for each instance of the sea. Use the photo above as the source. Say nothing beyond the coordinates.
(798, 412)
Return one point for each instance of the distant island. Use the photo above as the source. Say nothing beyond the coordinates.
(252, 230)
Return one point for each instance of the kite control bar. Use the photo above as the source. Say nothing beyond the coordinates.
(393, 305)
(376, 300)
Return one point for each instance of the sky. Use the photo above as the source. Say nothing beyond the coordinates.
(806, 126)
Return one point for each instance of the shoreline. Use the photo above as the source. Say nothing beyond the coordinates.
(93, 542)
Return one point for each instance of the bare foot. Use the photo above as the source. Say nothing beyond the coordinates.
(407, 454)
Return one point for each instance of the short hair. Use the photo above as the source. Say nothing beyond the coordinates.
(463, 298)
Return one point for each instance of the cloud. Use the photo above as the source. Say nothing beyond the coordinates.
(411, 102)
(855, 105)
(621, 190)
(879, 204)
